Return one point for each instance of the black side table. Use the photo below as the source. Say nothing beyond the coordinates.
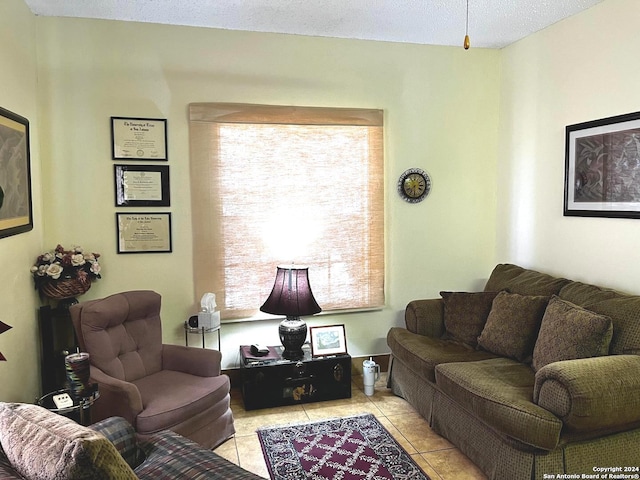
(80, 411)
(275, 381)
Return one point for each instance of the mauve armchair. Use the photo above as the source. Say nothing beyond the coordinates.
(152, 385)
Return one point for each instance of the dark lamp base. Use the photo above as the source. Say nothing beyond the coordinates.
(293, 333)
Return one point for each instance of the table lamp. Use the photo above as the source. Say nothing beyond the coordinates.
(291, 296)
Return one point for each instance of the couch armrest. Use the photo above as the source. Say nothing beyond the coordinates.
(122, 435)
(117, 398)
(170, 455)
(425, 317)
(202, 362)
(591, 393)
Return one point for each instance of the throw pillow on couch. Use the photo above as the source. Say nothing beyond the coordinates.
(570, 332)
(528, 328)
(465, 314)
(513, 324)
(43, 445)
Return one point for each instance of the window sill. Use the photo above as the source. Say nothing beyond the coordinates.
(260, 316)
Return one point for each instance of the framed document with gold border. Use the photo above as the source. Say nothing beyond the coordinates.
(143, 232)
(138, 138)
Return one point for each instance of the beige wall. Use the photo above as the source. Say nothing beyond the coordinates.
(19, 375)
(440, 104)
(581, 69)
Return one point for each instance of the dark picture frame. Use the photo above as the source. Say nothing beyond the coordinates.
(144, 232)
(328, 340)
(141, 185)
(16, 209)
(139, 138)
(602, 168)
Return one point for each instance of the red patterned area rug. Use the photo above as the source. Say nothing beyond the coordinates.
(350, 448)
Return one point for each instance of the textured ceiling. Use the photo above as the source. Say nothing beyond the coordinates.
(492, 23)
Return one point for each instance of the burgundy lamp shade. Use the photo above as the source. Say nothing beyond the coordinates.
(291, 296)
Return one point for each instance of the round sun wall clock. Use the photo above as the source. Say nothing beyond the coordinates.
(414, 185)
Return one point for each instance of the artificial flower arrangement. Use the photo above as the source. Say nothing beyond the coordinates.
(65, 273)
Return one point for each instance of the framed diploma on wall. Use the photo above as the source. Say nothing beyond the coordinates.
(142, 185)
(138, 138)
(144, 232)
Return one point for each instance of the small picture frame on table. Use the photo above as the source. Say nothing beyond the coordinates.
(328, 340)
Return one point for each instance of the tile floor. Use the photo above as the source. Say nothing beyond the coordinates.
(436, 456)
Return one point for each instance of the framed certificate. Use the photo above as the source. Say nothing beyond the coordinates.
(144, 232)
(142, 185)
(138, 138)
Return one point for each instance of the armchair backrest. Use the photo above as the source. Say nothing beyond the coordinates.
(122, 333)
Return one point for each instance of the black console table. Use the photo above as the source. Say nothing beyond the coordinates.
(273, 381)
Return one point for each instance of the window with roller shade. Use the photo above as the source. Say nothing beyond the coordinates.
(276, 185)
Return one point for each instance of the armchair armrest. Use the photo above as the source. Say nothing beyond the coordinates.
(122, 398)
(591, 393)
(196, 361)
(425, 317)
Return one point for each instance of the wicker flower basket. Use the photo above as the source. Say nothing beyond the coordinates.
(66, 288)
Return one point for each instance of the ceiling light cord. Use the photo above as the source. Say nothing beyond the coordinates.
(467, 42)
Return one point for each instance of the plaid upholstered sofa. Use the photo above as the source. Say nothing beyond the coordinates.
(534, 375)
(38, 444)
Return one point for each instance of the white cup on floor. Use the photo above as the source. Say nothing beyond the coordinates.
(371, 373)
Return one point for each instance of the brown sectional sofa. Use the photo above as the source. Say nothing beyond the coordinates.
(535, 375)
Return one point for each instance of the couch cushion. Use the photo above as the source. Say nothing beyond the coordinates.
(512, 326)
(499, 392)
(44, 445)
(520, 280)
(465, 314)
(421, 354)
(170, 397)
(584, 294)
(570, 332)
(624, 312)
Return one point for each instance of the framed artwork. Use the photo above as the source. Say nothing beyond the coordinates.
(16, 212)
(329, 340)
(142, 185)
(138, 138)
(144, 232)
(602, 168)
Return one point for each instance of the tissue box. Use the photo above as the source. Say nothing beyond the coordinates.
(208, 320)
